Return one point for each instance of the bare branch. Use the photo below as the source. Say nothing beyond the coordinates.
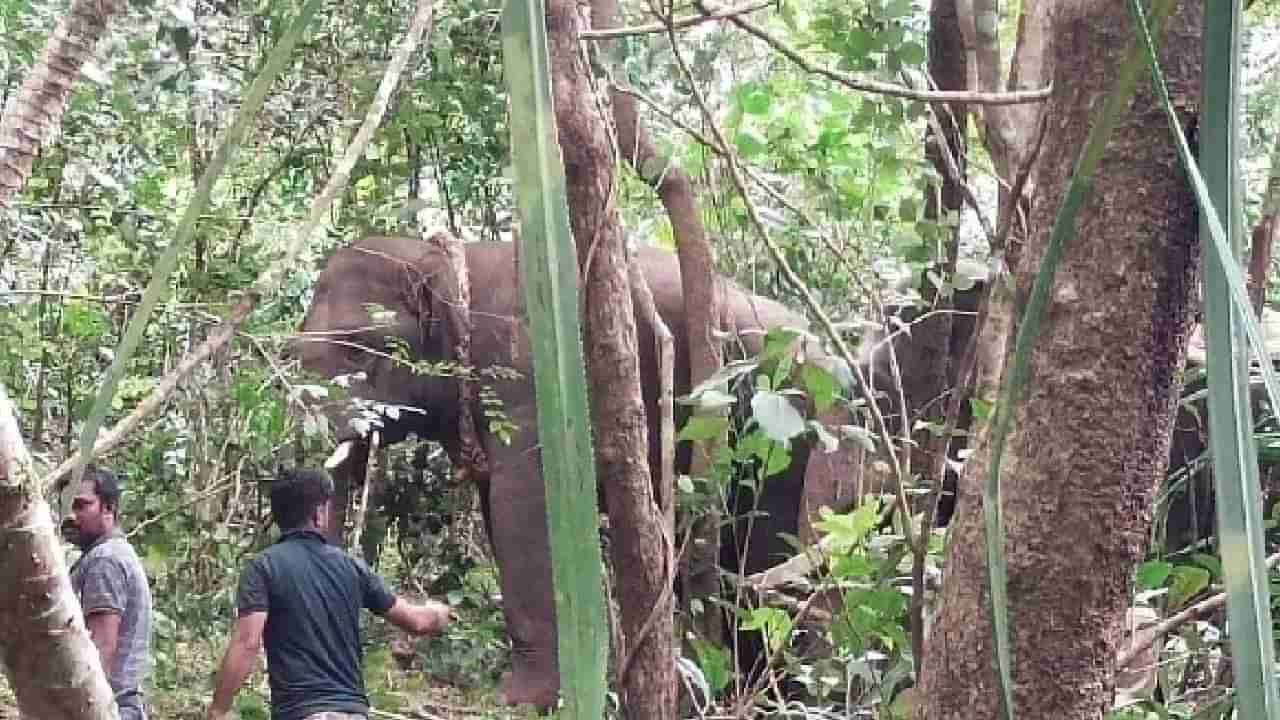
(853, 82)
(677, 24)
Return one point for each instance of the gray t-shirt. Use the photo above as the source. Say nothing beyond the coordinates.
(109, 578)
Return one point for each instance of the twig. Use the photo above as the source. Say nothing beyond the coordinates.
(852, 82)
(209, 492)
(1204, 606)
(678, 24)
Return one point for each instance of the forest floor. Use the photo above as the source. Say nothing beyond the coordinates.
(439, 702)
(435, 687)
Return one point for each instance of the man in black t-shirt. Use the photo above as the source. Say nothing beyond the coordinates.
(301, 599)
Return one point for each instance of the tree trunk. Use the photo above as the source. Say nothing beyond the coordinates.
(1091, 439)
(45, 650)
(617, 406)
(945, 150)
(1260, 260)
(703, 300)
(35, 113)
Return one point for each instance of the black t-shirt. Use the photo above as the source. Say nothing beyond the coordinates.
(312, 593)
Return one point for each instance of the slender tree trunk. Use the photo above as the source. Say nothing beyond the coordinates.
(34, 115)
(45, 649)
(1091, 438)
(703, 300)
(945, 150)
(617, 405)
(1263, 242)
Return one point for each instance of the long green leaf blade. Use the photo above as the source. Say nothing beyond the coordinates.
(549, 267)
(1234, 456)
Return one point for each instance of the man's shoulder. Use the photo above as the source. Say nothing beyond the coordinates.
(115, 551)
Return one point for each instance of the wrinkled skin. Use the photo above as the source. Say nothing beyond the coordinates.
(403, 275)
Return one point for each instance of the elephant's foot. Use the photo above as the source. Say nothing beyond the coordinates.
(529, 686)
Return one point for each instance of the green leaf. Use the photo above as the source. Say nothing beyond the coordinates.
(750, 144)
(550, 274)
(714, 661)
(1186, 581)
(981, 409)
(821, 386)
(755, 100)
(846, 531)
(911, 53)
(702, 428)
(1153, 573)
(897, 9)
(775, 624)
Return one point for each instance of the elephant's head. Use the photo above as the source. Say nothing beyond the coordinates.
(375, 325)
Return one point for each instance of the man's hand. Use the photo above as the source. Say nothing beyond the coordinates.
(429, 618)
(237, 664)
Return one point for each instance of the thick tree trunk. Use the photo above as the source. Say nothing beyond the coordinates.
(45, 650)
(35, 113)
(1091, 438)
(617, 406)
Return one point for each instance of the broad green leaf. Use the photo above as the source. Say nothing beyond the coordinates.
(821, 385)
(701, 428)
(715, 663)
(1185, 582)
(846, 531)
(1153, 573)
(774, 623)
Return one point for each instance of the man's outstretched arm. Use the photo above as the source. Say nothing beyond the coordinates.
(238, 663)
(428, 618)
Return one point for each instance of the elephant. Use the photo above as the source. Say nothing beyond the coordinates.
(340, 338)
(1187, 513)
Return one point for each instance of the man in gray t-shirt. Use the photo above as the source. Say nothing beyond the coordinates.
(112, 587)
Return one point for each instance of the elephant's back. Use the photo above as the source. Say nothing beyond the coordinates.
(747, 313)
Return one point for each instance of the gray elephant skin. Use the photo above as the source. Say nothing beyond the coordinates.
(403, 275)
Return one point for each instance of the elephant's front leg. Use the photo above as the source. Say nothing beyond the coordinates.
(518, 531)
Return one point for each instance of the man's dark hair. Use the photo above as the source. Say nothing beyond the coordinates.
(295, 495)
(105, 485)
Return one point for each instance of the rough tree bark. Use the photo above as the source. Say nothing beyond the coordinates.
(617, 405)
(1091, 439)
(703, 299)
(45, 650)
(34, 114)
(945, 150)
